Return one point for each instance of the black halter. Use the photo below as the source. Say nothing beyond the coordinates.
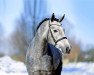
(53, 35)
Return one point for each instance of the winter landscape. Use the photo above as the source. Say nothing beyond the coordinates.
(18, 23)
(9, 66)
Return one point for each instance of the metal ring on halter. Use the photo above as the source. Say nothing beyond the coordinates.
(53, 36)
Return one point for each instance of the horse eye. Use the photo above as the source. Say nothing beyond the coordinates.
(55, 30)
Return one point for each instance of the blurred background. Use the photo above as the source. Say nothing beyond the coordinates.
(19, 19)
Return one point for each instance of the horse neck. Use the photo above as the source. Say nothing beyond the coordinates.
(39, 41)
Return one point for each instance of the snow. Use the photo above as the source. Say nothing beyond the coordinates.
(9, 66)
(81, 68)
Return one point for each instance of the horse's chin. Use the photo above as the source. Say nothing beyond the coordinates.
(60, 50)
(63, 52)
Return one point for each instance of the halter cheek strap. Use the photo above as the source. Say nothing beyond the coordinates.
(56, 41)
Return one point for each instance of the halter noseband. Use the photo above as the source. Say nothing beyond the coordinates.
(53, 36)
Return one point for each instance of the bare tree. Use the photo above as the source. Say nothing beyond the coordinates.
(26, 25)
(33, 12)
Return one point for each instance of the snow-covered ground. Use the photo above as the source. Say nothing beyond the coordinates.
(81, 68)
(11, 67)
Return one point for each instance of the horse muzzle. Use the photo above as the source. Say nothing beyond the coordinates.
(68, 49)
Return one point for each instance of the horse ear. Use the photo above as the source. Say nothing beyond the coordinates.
(53, 17)
(62, 18)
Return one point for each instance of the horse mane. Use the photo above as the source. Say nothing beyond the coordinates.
(42, 22)
(55, 19)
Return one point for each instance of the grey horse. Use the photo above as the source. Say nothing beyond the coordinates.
(44, 55)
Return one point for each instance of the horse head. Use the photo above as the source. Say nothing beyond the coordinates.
(56, 35)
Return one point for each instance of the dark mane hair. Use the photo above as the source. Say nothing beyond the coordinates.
(46, 20)
(42, 22)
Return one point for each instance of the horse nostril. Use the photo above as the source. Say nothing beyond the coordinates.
(68, 50)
